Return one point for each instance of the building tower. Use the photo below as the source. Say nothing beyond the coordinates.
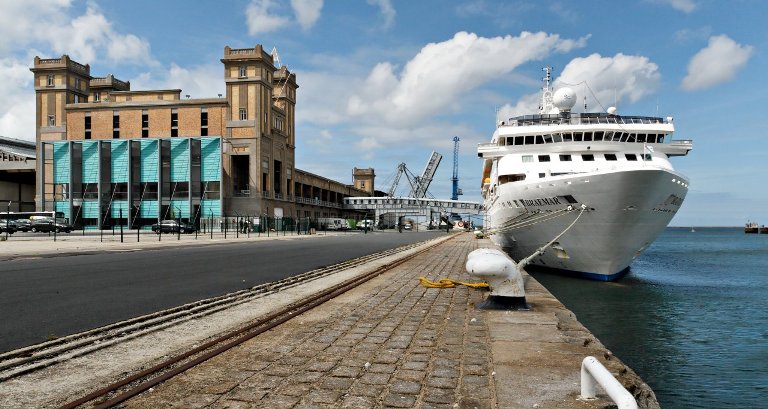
(363, 179)
(58, 82)
(259, 127)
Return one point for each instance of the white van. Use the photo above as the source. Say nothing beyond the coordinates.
(333, 223)
(365, 224)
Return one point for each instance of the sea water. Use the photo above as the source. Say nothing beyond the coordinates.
(691, 317)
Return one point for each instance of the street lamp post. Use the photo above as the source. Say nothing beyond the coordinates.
(7, 219)
(178, 223)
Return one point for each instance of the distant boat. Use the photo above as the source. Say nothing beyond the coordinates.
(693, 230)
(751, 228)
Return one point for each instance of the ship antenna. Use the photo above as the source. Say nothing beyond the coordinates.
(546, 92)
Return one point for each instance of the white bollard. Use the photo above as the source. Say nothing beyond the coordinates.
(498, 270)
(592, 373)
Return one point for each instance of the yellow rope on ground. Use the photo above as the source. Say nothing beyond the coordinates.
(448, 283)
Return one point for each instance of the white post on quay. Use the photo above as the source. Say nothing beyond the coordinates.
(592, 373)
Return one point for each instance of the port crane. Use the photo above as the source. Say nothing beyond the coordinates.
(455, 179)
(419, 184)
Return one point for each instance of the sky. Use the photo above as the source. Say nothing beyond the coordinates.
(387, 81)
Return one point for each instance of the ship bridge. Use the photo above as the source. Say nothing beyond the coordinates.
(402, 206)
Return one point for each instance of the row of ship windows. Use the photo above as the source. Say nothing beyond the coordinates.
(588, 157)
(598, 136)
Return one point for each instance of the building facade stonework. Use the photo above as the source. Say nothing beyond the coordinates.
(105, 151)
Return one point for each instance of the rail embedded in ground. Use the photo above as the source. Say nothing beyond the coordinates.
(132, 385)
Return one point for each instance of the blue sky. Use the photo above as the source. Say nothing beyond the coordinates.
(388, 81)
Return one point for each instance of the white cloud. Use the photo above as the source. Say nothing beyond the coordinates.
(85, 38)
(441, 73)
(393, 105)
(626, 78)
(686, 6)
(17, 107)
(264, 16)
(307, 12)
(261, 18)
(717, 63)
(201, 81)
(20, 22)
(699, 34)
(387, 11)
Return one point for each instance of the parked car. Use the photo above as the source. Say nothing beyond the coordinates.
(23, 225)
(8, 226)
(49, 225)
(172, 226)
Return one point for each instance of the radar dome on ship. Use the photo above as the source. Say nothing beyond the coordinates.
(564, 99)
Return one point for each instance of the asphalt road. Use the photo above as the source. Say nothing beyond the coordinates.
(58, 296)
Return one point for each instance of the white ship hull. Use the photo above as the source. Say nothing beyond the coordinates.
(626, 210)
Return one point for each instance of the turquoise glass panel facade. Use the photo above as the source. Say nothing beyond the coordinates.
(61, 162)
(179, 160)
(63, 207)
(149, 161)
(120, 162)
(210, 207)
(210, 152)
(90, 162)
(90, 210)
(114, 209)
(149, 209)
(179, 208)
(146, 162)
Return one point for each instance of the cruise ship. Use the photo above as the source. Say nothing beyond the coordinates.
(580, 193)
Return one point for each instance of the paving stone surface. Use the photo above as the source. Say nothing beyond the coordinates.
(392, 343)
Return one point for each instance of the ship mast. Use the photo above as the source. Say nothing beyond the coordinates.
(546, 92)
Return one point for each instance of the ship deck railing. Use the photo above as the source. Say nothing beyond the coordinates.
(581, 119)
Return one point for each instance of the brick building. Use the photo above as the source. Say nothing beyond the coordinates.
(105, 150)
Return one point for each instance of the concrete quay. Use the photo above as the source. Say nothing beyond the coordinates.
(392, 343)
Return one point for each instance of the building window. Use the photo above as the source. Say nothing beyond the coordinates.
(243, 114)
(115, 125)
(203, 122)
(87, 125)
(51, 120)
(174, 123)
(144, 124)
(242, 71)
(77, 83)
(50, 80)
(97, 96)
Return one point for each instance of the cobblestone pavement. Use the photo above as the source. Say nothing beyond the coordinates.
(392, 343)
(389, 343)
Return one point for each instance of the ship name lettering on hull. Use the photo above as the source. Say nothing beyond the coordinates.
(542, 201)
